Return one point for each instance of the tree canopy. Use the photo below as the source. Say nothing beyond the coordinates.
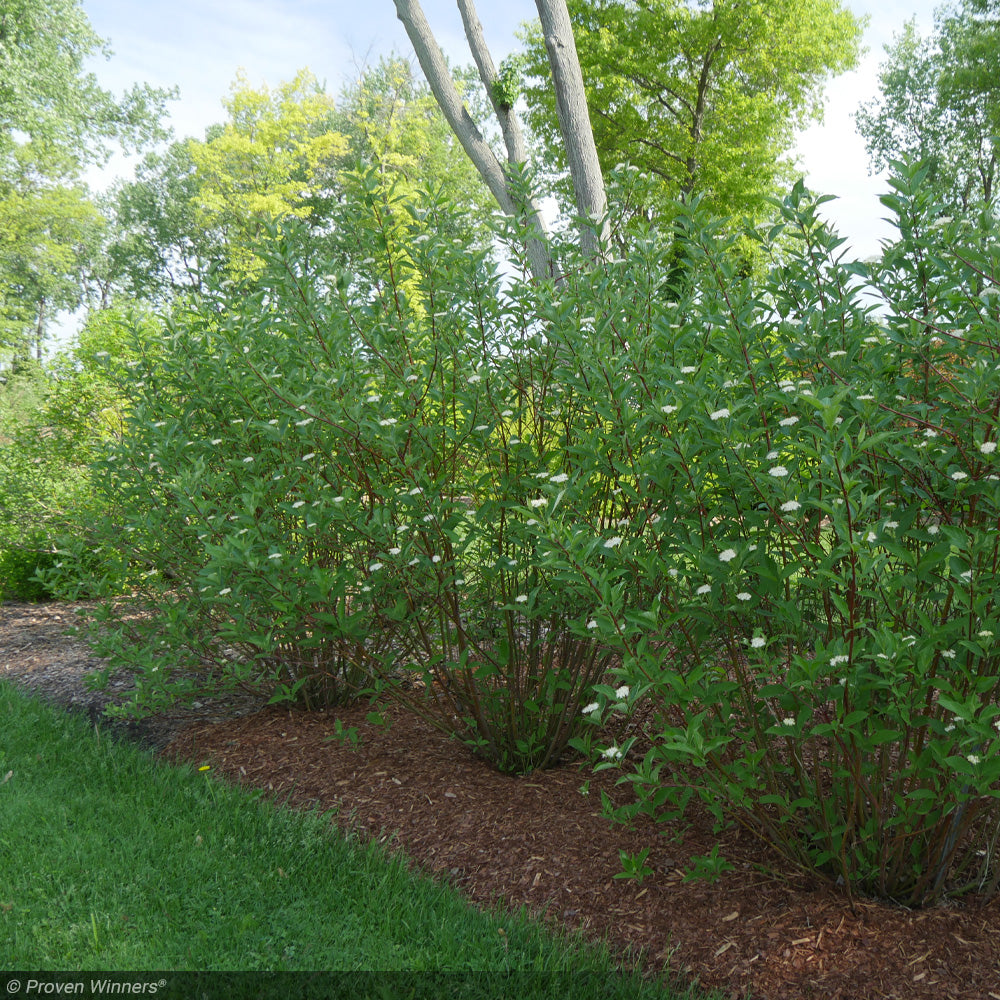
(392, 122)
(48, 238)
(287, 152)
(264, 163)
(939, 102)
(705, 96)
(53, 110)
(54, 121)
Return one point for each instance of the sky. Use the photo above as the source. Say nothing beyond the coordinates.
(199, 45)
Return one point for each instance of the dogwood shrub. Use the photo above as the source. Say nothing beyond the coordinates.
(763, 506)
(805, 583)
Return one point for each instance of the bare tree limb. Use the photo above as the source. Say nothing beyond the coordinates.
(510, 124)
(574, 122)
(435, 69)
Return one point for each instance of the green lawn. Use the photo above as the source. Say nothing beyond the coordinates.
(111, 860)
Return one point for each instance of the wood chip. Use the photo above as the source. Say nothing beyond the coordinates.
(730, 916)
(724, 948)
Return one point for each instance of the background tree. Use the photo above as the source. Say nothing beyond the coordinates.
(392, 122)
(704, 96)
(49, 236)
(506, 182)
(402, 153)
(156, 246)
(47, 96)
(265, 162)
(940, 102)
(287, 152)
(54, 121)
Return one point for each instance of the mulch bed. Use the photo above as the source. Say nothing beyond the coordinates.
(760, 930)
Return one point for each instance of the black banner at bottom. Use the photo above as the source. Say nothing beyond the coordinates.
(314, 985)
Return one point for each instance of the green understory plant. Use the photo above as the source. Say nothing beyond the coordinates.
(707, 867)
(634, 865)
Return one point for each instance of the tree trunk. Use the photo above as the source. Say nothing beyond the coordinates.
(435, 69)
(574, 123)
(40, 329)
(571, 106)
(698, 118)
(510, 125)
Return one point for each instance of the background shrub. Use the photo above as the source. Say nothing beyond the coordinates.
(53, 418)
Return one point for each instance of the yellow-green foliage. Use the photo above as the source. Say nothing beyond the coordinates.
(399, 147)
(265, 163)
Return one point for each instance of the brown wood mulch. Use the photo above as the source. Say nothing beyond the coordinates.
(760, 930)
